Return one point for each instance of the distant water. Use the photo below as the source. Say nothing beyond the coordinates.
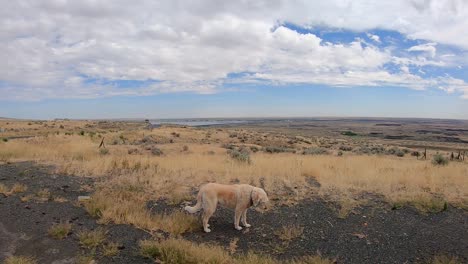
(195, 123)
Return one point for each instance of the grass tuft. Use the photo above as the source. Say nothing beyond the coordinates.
(182, 251)
(44, 194)
(3, 189)
(110, 249)
(18, 188)
(60, 231)
(172, 251)
(20, 260)
(92, 239)
(445, 260)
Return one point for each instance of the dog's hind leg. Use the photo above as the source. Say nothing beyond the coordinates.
(208, 209)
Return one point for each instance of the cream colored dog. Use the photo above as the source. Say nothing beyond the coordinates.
(238, 197)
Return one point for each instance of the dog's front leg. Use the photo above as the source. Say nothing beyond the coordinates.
(244, 218)
(237, 216)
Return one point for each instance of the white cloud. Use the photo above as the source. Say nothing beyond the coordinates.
(428, 47)
(374, 37)
(49, 48)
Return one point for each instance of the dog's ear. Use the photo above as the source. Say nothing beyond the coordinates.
(255, 197)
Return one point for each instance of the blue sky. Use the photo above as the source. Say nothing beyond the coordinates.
(283, 59)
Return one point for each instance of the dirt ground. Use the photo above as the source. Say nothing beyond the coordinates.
(371, 234)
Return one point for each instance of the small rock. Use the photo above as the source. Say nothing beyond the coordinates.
(84, 198)
(361, 236)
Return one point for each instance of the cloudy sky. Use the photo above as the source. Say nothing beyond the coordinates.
(166, 59)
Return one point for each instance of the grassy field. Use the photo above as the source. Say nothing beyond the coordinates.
(138, 164)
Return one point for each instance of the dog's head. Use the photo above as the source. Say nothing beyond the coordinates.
(259, 197)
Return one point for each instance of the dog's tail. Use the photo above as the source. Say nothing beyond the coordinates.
(197, 207)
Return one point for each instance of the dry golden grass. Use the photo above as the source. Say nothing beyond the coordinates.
(233, 245)
(182, 251)
(20, 260)
(445, 260)
(284, 176)
(16, 188)
(3, 189)
(126, 204)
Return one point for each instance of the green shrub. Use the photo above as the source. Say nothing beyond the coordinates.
(399, 153)
(348, 133)
(370, 150)
(82, 133)
(5, 139)
(278, 149)
(228, 146)
(254, 149)
(439, 160)
(156, 151)
(241, 156)
(314, 151)
(103, 151)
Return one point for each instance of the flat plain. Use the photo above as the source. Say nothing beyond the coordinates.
(344, 190)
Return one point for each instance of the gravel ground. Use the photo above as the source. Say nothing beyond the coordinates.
(24, 225)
